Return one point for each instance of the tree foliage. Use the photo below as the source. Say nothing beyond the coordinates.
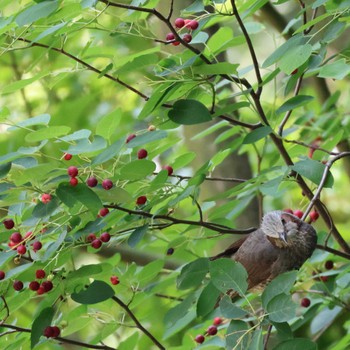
(98, 88)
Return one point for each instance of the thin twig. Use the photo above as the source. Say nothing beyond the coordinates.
(267, 336)
(316, 148)
(137, 322)
(7, 310)
(333, 251)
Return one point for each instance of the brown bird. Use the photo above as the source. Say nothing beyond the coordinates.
(282, 243)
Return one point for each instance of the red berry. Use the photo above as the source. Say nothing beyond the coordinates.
(105, 237)
(72, 171)
(46, 198)
(324, 278)
(29, 235)
(130, 137)
(192, 24)
(179, 22)
(170, 251)
(176, 43)
(314, 215)
(217, 321)
(212, 330)
(298, 213)
(47, 285)
(142, 153)
(16, 237)
(199, 339)
(40, 274)
(103, 212)
(114, 280)
(73, 181)
(2, 275)
(34, 285)
(170, 37)
(12, 244)
(9, 224)
(329, 264)
(40, 290)
(36, 246)
(67, 156)
(295, 71)
(90, 237)
(187, 38)
(290, 211)
(21, 249)
(141, 200)
(305, 302)
(96, 243)
(187, 22)
(169, 169)
(107, 184)
(92, 181)
(18, 285)
(48, 332)
(55, 331)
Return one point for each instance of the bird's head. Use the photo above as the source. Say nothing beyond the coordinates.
(282, 229)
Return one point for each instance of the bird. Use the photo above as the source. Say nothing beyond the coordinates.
(282, 243)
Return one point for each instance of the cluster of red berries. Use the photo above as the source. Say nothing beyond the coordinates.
(190, 24)
(212, 330)
(96, 243)
(19, 243)
(73, 173)
(51, 332)
(314, 215)
(114, 280)
(39, 288)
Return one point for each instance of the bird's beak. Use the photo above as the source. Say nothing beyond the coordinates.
(283, 236)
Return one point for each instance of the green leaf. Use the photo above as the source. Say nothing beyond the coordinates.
(207, 300)
(86, 146)
(281, 308)
(50, 31)
(216, 68)
(192, 274)
(294, 102)
(77, 135)
(189, 112)
(42, 119)
(237, 334)
(137, 235)
(85, 271)
(70, 195)
(108, 124)
(35, 12)
(47, 133)
(20, 84)
(227, 274)
(335, 70)
(230, 310)
(5, 169)
(148, 137)
(109, 153)
(257, 134)
(183, 160)
(257, 340)
(282, 284)
(96, 292)
(42, 210)
(313, 170)
(324, 319)
(149, 272)
(43, 320)
(297, 344)
(295, 58)
(137, 170)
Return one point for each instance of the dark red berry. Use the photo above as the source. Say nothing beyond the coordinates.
(40, 274)
(103, 212)
(329, 264)
(105, 237)
(324, 278)
(16, 237)
(72, 171)
(130, 137)
(48, 332)
(141, 200)
(170, 37)
(90, 237)
(217, 321)
(55, 331)
(295, 71)
(170, 251)
(212, 330)
(36, 246)
(107, 184)
(142, 153)
(29, 235)
(314, 215)
(34, 285)
(92, 181)
(187, 38)
(290, 211)
(67, 156)
(169, 169)
(47, 285)
(305, 302)
(298, 213)
(40, 290)
(2, 275)
(9, 224)
(176, 43)
(96, 243)
(73, 181)
(21, 249)
(114, 280)
(199, 339)
(179, 22)
(18, 285)
(192, 24)
(46, 198)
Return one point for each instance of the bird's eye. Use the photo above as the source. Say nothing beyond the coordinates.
(283, 221)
